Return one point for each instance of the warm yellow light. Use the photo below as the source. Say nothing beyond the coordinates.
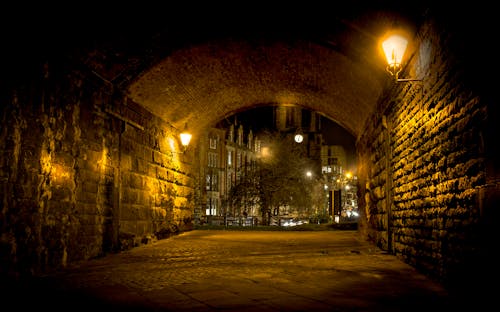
(185, 137)
(348, 175)
(171, 143)
(394, 50)
(265, 152)
(60, 174)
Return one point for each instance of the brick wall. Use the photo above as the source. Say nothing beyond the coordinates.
(83, 172)
(422, 163)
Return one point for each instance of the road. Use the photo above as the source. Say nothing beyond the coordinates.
(218, 270)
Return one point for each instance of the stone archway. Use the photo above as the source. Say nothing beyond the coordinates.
(97, 174)
(205, 83)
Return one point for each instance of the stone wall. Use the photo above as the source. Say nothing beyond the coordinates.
(84, 172)
(422, 160)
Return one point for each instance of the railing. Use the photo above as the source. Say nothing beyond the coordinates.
(231, 221)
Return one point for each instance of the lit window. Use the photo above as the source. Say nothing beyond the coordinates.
(213, 143)
(212, 181)
(208, 182)
(212, 160)
(211, 209)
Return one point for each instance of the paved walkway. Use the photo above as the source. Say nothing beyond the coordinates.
(208, 270)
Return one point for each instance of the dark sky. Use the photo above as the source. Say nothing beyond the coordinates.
(257, 118)
(334, 134)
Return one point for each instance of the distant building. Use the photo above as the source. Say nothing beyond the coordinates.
(229, 150)
(242, 149)
(341, 185)
(212, 167)
(226, 153)
(333, 160)
(292, 120)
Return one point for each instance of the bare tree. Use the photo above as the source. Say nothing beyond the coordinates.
(279, 179)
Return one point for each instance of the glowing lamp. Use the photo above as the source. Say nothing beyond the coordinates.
(185, 136)
(394, 49)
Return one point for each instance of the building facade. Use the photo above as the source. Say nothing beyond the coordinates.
(226, 153)
(211, 177)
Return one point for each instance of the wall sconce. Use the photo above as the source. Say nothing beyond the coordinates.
(394, 49)
(299, 137)
(185, 137)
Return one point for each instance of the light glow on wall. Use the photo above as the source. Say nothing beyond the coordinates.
(171, 143)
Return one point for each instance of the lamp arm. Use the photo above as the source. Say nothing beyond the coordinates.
(407, 80)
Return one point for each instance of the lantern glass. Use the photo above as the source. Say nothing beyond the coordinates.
(185, 137)
(394, 50)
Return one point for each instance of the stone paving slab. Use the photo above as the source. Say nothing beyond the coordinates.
(216, 270)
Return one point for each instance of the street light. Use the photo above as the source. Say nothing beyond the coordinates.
(394, 49)
(185, 137)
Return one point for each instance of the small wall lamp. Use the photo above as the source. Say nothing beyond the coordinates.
(394, 49)
(185, 137)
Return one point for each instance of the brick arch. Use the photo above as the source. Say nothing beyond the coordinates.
(204, 83)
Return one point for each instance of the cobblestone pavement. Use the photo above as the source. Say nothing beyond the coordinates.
(211, 270)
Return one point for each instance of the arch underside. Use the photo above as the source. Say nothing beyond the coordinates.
(205, 83)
